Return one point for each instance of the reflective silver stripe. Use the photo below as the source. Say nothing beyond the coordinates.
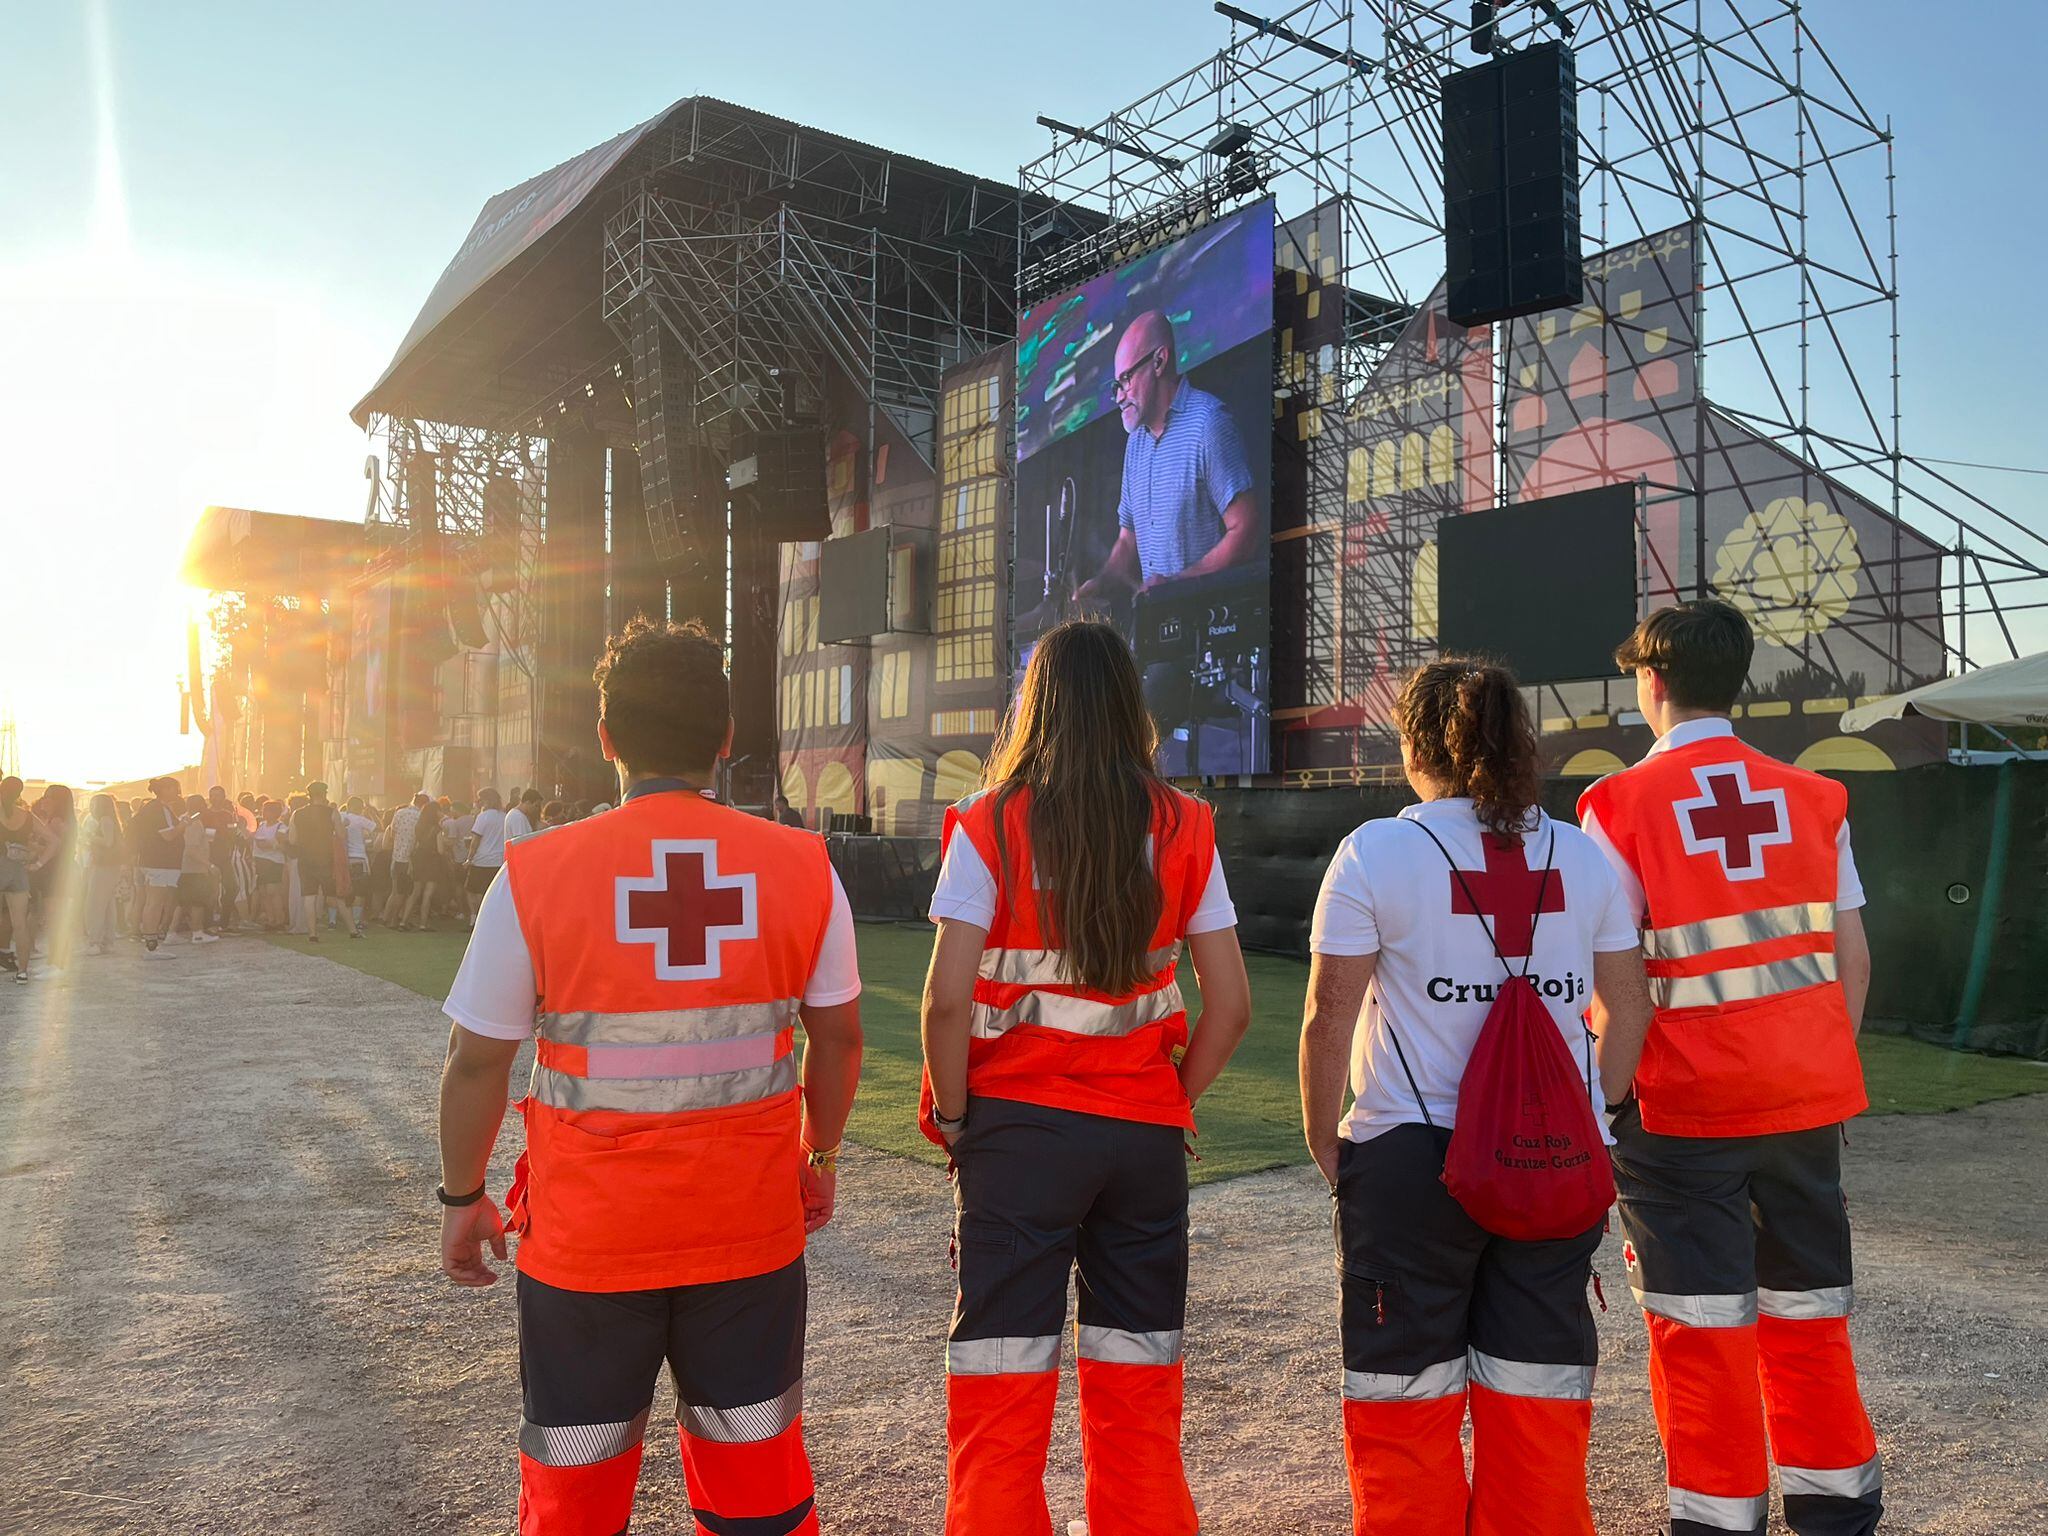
(746, 1424)
(1723, 1514)
(1717, 1311)
(1048, 967)
(1834, 1482)
(659, 1026)
(1445, 1379)
(1116, 1346)
(579, 1445)
(1828, 1301)
(663, 1095)
(1002, 1357)
(1527, 1378)
(1683, 939)
(1742, 984)
(1078, 1015)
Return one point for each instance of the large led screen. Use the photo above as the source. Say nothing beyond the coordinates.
(1144, 480)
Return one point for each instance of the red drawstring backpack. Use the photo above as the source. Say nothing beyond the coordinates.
(1526, 1159)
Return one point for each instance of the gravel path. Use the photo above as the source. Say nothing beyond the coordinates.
(222, 1312)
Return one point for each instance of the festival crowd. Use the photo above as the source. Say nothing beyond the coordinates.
(191, 868)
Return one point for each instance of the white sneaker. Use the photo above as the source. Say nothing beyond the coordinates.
(205, 938)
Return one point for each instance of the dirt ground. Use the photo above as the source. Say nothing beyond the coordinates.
(221, 1312)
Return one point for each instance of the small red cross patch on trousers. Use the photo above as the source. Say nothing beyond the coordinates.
(1731, 820)
(685, 909)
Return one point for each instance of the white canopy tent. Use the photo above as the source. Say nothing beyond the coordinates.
(2011, 693)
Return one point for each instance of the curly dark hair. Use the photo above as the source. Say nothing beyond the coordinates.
(663, 696)
(1468, 727)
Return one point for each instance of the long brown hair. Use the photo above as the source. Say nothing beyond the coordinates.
(1079, 739)
(1468, 727)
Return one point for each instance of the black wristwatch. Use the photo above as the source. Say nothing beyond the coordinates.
(441, 1194)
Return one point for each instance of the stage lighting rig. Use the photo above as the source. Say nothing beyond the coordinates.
(1483, 39)
(1356, 62)
(1165, 162)
(1244, 174)
(1232, 140)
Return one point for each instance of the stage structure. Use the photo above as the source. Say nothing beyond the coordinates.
(1734, 359)
(277, 618)
(711, 291)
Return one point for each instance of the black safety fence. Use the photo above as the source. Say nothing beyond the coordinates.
(1952, 858)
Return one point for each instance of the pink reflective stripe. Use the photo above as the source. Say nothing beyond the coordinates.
(684, 1058)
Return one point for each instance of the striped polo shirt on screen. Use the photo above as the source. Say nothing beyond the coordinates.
(1177, 484)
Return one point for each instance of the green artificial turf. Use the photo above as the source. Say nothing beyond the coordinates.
(1249, 1120)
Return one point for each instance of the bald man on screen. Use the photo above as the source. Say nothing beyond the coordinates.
(1187, 506)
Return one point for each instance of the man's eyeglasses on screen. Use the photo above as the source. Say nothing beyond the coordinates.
(1123, 380)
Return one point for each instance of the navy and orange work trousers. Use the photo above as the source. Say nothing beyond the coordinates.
(1044, 1194)
(1738, 1253)
(588, 1364)
(1441, 1318)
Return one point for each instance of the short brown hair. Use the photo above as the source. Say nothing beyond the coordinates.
(1701, 649)
(663, 696)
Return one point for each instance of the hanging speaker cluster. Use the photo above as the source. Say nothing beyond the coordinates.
(1511, 186)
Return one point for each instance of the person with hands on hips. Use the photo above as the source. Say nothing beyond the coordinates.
(1052, 1016)
(679, 1149)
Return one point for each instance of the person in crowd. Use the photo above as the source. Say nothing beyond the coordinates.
(486, 849)
(268, 844)
(429, 868)
(55, 883)
(316, 829)
(26, 845)
(101, 847)
(157, 835)
(524, 818)
(358, 827)
(224, 841)
(293, 804)
(702, 992)
(1051, 1022)
(554, 814)
(403, 835)
(195, 870)
(1420, 918)
(786, 813)
(1727, 1155)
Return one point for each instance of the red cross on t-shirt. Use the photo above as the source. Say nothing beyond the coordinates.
(1738, 824)
(1506, 891)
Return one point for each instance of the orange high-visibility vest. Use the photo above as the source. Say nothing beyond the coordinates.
(1041, 1039)
(1737, 857)
(671, 940)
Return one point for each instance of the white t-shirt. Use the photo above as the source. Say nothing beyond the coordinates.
(966, 892)
(1390, 891)
(517, 825)
(488, 828)
(494, 991)
(357, 828)
(1848, 884)
(266, 838)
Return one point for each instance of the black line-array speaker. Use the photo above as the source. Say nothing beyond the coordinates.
(1511, 186)
(784, 502)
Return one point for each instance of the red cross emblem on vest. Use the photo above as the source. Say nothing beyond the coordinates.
(1732, 820)
(1507, 891)
(685, 908)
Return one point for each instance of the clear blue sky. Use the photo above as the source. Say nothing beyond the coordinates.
(216, 220)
